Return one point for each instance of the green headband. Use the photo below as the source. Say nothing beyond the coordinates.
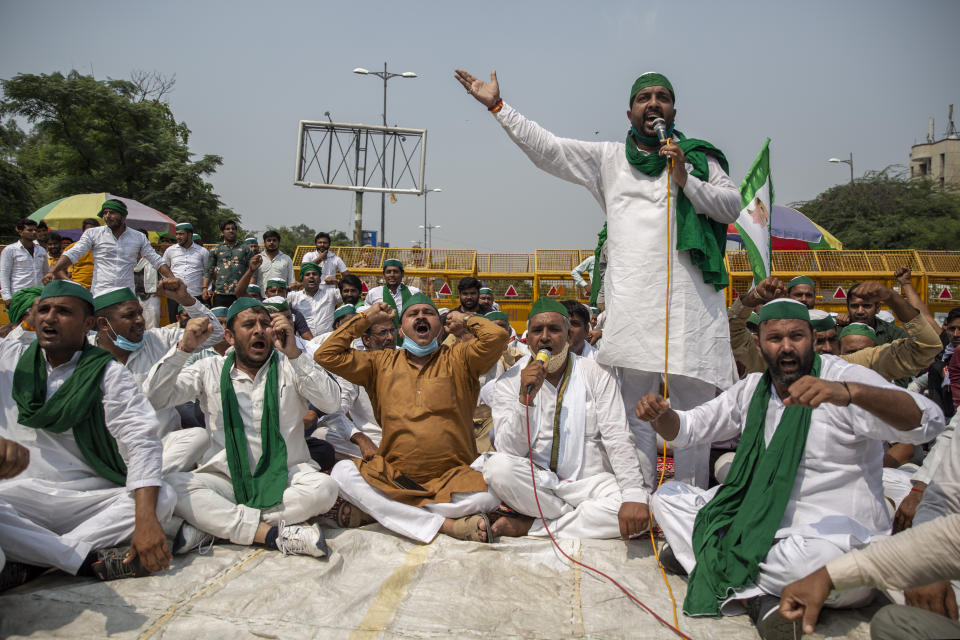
(277, 283)
(219, 312)
(548, 305)
(113, 205)
(784, 309)
(486, 290)
(497, 315)
(821, 320)
(418, 298)
(344, 310)
(113, 297)
(21, 302)
(184, 226)
(307, 267)
(859, 329)
(801, 280)
(393, 262)
(651, 79)
(242, 304)
(66, 288)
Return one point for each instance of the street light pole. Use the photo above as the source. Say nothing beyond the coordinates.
(385, 75)
(849, 162)
(426, 192)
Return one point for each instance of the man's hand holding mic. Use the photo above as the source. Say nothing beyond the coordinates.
(673, 153)
(533, 375)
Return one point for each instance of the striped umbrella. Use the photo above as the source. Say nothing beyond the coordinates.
(69, 213)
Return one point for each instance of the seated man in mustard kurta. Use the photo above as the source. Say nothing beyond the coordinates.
(423, 395)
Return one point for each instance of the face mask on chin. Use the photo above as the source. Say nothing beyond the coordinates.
(555, 363)
(417, 349)
(122, 343)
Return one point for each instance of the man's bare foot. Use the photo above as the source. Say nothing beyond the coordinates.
(472, 528)
(511, 527)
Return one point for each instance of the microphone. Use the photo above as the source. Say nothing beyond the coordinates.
(660, 126)
(542, 356)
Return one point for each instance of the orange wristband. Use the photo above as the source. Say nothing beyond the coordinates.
(497, 106)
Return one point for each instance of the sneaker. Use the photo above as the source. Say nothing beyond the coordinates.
(109, 565)
(301, 540)
(764, 611)
(189, 538)
(669, 562)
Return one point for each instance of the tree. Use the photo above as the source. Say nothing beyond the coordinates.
(17, 195)
(887, 210)
(116, 136)
(302, 235)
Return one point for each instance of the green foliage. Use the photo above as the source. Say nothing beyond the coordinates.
(17, 198)
(301, 234)
(887, 210)
(116, 136)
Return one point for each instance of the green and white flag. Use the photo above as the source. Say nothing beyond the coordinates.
(756, 202)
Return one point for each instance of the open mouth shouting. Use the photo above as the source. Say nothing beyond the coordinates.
(422, 327)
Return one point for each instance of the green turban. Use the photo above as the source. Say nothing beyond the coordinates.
(418, 298)
(242, 304)
(821, 320)
(651, 79)
(219, 312)
(184, 226)
(547, 305)
(392, 262)
(859, 329)
(21, 302)
(307, 267)
(801, 280)
(66, 288)
(784, 309)
(113, 205)
(344, 310)
(112, 297)
(497, 315)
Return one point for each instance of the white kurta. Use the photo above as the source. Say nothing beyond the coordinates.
(113, 258)
(329, 268)
(20, 269)
(189, 264)
(635, 282)
(316, 309)
(376, 295)
(278, 268)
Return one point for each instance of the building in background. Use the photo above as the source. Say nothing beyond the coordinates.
(938, 160)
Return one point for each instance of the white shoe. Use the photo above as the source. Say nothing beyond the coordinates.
(189, 538)
(301, 540)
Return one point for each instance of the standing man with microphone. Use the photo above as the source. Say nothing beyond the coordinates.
(666, 233)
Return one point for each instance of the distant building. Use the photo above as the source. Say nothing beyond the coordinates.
(938, 160)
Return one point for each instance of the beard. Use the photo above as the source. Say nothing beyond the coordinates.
(775, 365)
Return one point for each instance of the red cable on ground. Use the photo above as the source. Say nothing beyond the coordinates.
(564, 553)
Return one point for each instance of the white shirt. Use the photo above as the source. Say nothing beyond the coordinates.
(330, 267)
(113, 258)
(150, 275)
(316, 309)
(635, 206)
(188, 264)
(584, 267)
(279, 268)
(608, 444)
(19, 269)
(55, 456)
(376, 295)
(942, 496)
(589, 351)
(300, 380)
(838, 493)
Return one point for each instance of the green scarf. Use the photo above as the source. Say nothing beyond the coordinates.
(265, 487)
(733, 533)
(596, 277)
(388, 298)
(704, 238)
(77, 405)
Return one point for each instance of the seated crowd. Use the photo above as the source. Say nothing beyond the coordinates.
(272, 407)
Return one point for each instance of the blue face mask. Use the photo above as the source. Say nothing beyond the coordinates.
(416, 349)
(122, 343)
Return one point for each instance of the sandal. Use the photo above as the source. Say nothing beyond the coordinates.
(466, 528)
(356, 518)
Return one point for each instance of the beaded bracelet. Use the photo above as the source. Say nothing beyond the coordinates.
(497, 106)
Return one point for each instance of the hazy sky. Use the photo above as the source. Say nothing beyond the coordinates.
(821, 79)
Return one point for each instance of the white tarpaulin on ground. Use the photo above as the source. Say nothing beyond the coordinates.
(377, 585)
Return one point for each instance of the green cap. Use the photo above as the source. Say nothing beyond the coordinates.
(821, 320)
(277, 283)
(250, 240)
(497, 315)
(276, 303)
(196, 237)
(219, 312)
(111, 298)
(253, 288)
(66, 288)
(242, 304)
(486, 290)
(754, 319)
(307, 267)
(184, 226)
(113, 205)
(859, 329)
(547, 305)
(21, 302)
(801, 280)
(344, 310)
(166, 234)
(418, 298)
(651, 79)
(784, 309)
(393, 262)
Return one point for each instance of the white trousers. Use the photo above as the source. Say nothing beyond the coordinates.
(675, 507)
(183, 448)
(151, 312)
(58, 524)
(419, 523)
(585, 508)
(692, 464)
(897, 484)
(206, 500)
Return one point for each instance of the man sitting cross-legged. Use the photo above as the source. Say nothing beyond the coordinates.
(256, 479)
(805, 485)
(423, 396)
(94, 479)
(579, 497)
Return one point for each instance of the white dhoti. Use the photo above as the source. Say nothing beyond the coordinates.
(691, 465)
(585, 508)
(675, 507)
(58, 524)
(419, 523)
(206, 500)
(183, 448)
